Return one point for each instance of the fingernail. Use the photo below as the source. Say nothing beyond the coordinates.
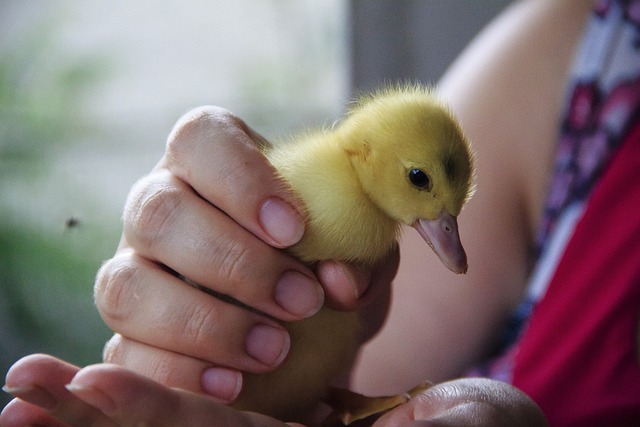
(299, 294)
(33, 394)
(93, 397)
(267, 344)
(281, 221)
(359, 279)
(224, 384)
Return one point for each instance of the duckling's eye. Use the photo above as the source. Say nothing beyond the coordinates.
(419, 179)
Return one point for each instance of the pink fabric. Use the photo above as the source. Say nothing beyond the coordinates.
(577, 358)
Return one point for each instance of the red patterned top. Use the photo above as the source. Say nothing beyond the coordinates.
(572, 345)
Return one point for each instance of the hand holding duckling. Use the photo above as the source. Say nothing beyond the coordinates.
(421, 178)
(399, 157)
(450, 251)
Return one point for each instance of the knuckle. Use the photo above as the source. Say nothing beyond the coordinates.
(162, 368)
(201, 324)
(149, 209)
(196, 125)
(234, 262)
(159, 365)
(113, 289)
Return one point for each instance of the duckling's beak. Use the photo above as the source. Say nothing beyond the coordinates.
(442, 235)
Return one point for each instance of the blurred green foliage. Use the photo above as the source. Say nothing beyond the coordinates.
(47, 267)
(39, 100)
(46, 281)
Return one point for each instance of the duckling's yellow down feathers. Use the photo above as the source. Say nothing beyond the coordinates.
(398, 157)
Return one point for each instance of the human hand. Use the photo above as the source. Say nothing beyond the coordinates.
(214, 211)
(54, 393)
(467, 402)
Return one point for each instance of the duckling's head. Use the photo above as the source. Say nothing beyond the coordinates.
(414, 163)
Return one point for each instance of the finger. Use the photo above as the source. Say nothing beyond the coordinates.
(343, 283)
(165, 221)
(145, 303)
(133, 400)
(19, 413)
(40, 380)
(175, 369)
(216, 153)
(373, 302)
(377, 300)
(351, 287)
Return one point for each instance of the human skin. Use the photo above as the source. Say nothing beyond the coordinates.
(109, 395)
(509, 107)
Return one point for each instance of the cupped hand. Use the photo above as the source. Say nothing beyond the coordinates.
(214, 211)
(53, 393)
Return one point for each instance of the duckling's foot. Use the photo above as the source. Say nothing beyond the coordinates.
(349, 407)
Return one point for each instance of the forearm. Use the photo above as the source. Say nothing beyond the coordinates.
(506, 89)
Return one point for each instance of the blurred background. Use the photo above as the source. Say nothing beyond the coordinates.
(90, 90)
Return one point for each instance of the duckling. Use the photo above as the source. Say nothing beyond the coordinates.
(399, 157)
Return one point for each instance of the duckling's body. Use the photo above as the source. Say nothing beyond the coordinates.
(355, 181)
(325, 344)
(344, 223)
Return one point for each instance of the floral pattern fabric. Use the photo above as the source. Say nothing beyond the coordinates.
(602, 105)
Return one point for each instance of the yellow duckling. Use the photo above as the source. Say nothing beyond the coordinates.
(398, 157)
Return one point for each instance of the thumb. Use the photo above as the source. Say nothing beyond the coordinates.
(129, 399)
